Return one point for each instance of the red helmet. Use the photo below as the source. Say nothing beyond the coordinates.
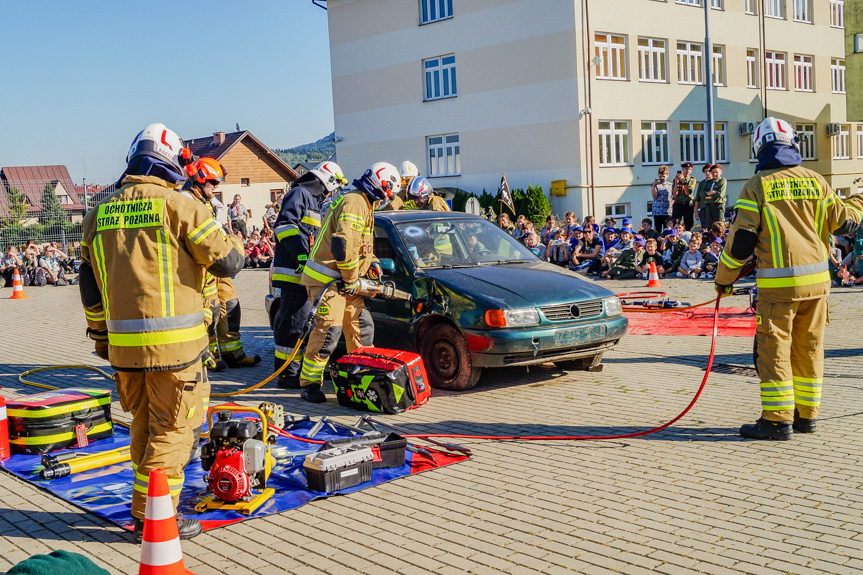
(207, 169)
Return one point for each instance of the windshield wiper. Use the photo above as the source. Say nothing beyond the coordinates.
(501, 262)
(448, 266)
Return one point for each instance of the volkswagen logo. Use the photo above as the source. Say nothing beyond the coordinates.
(574, 311)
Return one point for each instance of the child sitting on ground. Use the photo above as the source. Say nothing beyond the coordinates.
(711, 258)
(691, 262)
(674, 250)
(559, 249)
(625, 264)
(649, 255)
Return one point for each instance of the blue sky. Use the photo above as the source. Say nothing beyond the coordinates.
(80, 79)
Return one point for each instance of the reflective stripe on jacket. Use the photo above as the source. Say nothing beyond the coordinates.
(149, 247)
(350, 217)
(792, 211)
(299, 221)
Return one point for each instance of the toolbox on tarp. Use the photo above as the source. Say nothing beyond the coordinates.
(388, 450)
(380, 380)
(57, 419)
(338, 468)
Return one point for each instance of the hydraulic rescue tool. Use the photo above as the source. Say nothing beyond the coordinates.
(63, 464)
(384, 289)
(238, 461)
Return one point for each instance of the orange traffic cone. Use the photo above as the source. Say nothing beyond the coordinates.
(160, 549)
(653, 276)
(17, 286)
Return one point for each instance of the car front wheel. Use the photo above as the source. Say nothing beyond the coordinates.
(447, 359)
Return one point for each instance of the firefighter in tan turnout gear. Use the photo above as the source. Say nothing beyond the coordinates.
(421, 196)
(784, 216)
(145, 252)
(344, 252)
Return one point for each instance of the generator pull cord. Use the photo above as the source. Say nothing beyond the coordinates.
(595, 437)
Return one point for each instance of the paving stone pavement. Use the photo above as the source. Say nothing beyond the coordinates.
(694, 498)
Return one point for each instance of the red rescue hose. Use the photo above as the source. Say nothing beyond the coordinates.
(586, 437)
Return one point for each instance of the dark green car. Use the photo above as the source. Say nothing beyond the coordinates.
(482, 299)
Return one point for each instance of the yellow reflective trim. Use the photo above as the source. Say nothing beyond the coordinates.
(352, 218)
(29, 414)
(855, 210)
(797, 281)
(775, 237)
(93, 316)
(745, 207)
(99, 250)
(292, 231)
(157, 337)
(286, 278)
(131, 214)
(817, 380)
(207, 222)
(729, 261)
(311, 221)
(348, 265)
(315, 275)
(230, 345)
(160, 258)
(58, 437)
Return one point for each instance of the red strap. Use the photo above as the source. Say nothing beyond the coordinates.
(81, 435)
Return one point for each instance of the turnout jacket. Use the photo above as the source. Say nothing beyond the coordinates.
(784, 217)
(298, 222)
(345, 248)
(435, 204)
(145, 253)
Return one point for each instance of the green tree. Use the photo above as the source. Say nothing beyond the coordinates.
(16, 209)
(52, 210)
(535, 206)
(459, 200)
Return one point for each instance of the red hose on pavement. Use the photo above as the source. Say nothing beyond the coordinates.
(587, 437)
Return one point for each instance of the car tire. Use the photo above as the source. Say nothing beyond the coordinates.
(447, 359)
(582, 364)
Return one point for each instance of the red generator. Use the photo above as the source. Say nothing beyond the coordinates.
(380, 380)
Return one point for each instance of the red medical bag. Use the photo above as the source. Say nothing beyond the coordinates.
(380, 380)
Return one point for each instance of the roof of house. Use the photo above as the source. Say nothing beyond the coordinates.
(31, 181)
(307, 165)
(207, 147)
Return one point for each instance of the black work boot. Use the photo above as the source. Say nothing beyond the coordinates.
(313, 393)
(219, 365)
(764, 429)
(803, 425)
(244, 361)
(187, 528)
(289, 382)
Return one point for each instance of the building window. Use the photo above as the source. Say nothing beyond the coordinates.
(803, 73)
(718, 65)
(613, 143)
(244, 182)
(858, 43)
(611, 51)
(837, 13)
(274, 194)
(860, 140)
(806, 135)
(802, 11)
(720, 142)
(751, 68)
(444, 155)
(617, 210)
(842, 143)
(774, 9)
(751, 6)
(440, 78)
(690, 63)
(837, 70)
(688, 2)
(692, 142)
(654, 143)
(717, 4)
(775, 70)
(218, 196)
(652, 60)
(752, 157)
(434, 10)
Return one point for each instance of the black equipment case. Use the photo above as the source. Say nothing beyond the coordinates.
(380, 380)
(57, 419)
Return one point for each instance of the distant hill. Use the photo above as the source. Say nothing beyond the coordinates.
(320, 150)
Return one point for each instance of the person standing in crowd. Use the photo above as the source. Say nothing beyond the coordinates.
(297, 226)
(698, 205)
(344, 252)
(237, 216)
(684, 188)
(269, 218)
(711, 197)
(569, 223)
(661, 191)
(155, 340)
(518, 230)
(785, 215)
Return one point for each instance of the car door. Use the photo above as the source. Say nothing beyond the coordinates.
(392, 317)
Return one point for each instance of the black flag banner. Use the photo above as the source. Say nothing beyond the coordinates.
(503, 193)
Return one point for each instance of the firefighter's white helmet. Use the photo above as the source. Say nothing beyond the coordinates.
(773, 132)
(159, 142)
(330, 174)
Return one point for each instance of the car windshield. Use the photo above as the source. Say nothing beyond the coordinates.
(461, 243)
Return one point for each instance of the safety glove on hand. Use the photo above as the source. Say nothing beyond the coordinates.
(723, 290)
(350, 288)
(375, 271)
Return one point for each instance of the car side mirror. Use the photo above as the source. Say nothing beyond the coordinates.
(388, 266)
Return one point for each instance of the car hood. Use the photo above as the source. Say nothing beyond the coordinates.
(531, 284)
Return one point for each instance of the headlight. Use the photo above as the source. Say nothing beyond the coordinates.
(512, 317)
(613, 306)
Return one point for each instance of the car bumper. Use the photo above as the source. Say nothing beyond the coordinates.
(503, 348)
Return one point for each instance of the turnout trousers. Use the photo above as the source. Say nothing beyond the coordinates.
(166, 408)
(790, 362)
(294, 310)
(336, 313)
(228, 324)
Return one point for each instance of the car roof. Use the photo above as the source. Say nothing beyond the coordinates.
(399, 216)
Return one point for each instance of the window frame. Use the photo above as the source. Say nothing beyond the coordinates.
(804, 6)
(684, 56)
(841, 143)
(750, 7)
(859, 141)
(618, 139)
(719, 76)
(752, 68)
(444, 74)
(780, 5)
(426, 3)
(720, 136)
(615, 213)
(446, 148)
(618, 53)
(245, 182)
(808, 144)
(771, 60)
(837, 75)
(803, 66)
(661, 142)
(696, 3)
(693, 137)
(647, 56)
(837, 13)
